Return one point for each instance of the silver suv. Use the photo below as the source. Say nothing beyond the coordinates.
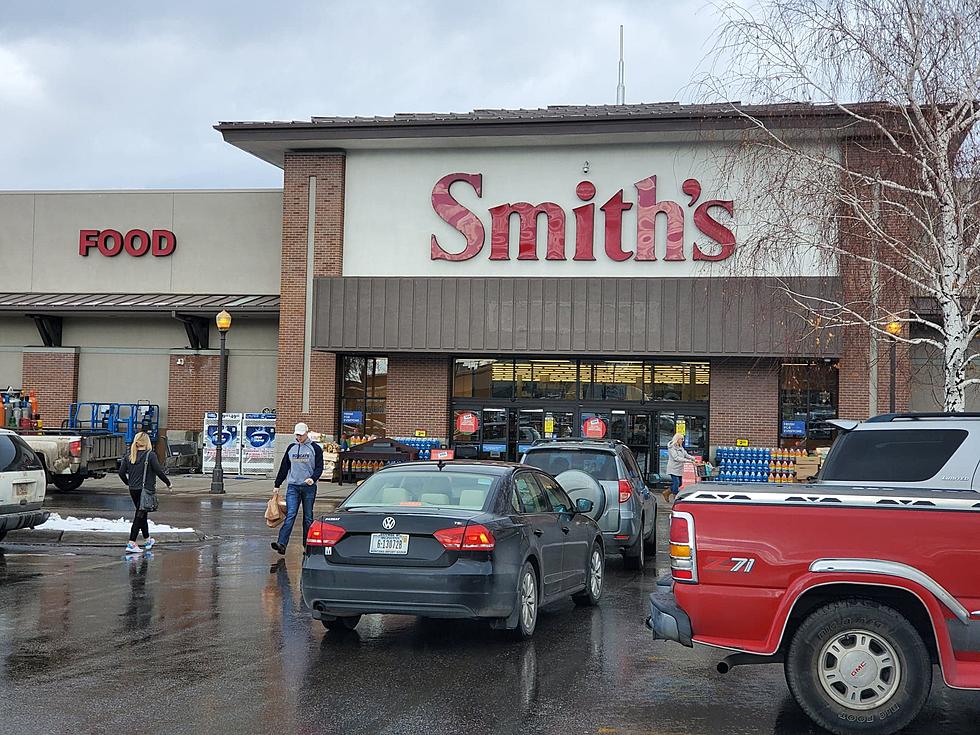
(936, 451)
(627, 514)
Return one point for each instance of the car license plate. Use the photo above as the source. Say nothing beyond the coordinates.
(22, 489)
(389, 543)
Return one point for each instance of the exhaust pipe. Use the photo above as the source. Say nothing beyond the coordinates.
(745, 659)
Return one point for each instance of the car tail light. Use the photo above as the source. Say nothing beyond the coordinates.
(472, 537)
(75, 448)
(683, 552)
(324, 534)
(625, 491)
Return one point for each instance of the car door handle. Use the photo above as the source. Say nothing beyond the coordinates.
(538, 532)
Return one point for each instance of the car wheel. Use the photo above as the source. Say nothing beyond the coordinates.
(3, 535)
(857, 666)
(527, 602)
(635, 556)
(594, 574)
(348, 622)
(67, 483)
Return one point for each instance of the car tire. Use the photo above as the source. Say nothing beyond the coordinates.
(594, 577)
(67, 483)
(3, 535)
(857, 666)
(635, 556)
(528, 602)
(346, 623)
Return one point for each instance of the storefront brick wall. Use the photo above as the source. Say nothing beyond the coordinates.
(744, 395)
(418, 395)
(328, 245)
(52, 373)
(192, 389)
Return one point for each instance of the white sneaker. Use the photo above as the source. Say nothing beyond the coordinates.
(133, 548)
(150, 543)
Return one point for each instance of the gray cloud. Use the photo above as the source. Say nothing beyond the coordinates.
(112, 94)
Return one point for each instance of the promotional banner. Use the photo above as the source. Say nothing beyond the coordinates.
(258, 438)
(231, 442)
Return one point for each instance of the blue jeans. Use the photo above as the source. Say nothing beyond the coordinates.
(294, 495)
(675, 484)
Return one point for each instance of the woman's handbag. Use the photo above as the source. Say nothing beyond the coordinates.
(148, 498)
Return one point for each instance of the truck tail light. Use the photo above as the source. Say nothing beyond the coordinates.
(625, 491)
(75, 448)
(324, 534)
(683, 552)
(472, 537)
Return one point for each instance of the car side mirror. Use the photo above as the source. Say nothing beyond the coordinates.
(584, 505)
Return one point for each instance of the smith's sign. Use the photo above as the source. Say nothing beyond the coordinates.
(718, 243)
(158, 243)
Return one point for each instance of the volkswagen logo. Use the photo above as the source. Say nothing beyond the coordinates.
(388, 523)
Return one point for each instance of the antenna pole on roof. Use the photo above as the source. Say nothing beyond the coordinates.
(621, 87)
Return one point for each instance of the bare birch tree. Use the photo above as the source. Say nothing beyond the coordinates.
(885, 188)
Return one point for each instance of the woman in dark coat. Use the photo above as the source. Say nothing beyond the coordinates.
(141, 466)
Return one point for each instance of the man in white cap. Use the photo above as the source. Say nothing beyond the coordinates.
(301, 467)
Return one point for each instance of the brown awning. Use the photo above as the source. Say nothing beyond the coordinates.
(692, 317)
(67, 304)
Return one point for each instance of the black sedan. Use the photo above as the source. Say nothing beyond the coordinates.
(453, 540)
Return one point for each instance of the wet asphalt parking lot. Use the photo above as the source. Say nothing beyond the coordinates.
(213, 638)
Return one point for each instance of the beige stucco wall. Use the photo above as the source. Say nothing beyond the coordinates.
(227, 241)
(251, 381)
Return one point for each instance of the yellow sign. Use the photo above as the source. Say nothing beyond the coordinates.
(420, 432)
(549, 425)
(681, 426)
(741, 442)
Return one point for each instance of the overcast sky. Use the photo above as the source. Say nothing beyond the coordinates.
(123, 94)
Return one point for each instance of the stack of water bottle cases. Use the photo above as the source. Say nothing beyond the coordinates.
(757, 464)
(424, 446)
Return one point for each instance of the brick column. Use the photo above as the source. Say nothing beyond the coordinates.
(193, 388)
(328, 247)
(52, 373)
(418, 395)
(744, 395)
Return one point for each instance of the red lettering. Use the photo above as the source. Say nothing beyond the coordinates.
(458, 216)
(709, 226)
(117, 243)
(647, 210)
(613, 210)
(137, 243)
(164, 242)
(584, 222)
(86, 241)
(527, 247)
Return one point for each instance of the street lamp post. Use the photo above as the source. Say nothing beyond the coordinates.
(223, 321)
(894, 328)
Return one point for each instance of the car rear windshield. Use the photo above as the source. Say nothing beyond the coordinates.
(601, 465)
(15, 455)
(423, 488)
(899, 455)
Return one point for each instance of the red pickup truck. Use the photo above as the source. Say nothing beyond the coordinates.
(858, 589)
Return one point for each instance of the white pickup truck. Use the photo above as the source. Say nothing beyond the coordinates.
(70, 458)
(22, 485)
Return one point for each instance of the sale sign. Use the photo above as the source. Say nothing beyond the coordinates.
(467, 422)
(594, 428)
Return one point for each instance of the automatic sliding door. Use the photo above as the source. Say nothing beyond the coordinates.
(495, 433)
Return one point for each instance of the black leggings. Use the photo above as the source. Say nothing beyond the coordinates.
(140, 522)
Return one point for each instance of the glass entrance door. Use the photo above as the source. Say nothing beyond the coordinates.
(693, 425)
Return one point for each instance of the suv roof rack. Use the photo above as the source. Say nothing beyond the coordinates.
(560, 440)
(923, 415)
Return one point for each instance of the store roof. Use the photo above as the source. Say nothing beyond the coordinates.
(554, 125)
(67, 303)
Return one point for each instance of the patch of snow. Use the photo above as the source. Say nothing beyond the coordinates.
(103, 525)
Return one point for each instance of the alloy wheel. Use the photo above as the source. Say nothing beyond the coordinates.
(595, 573)
(859, 670)
(529, 600)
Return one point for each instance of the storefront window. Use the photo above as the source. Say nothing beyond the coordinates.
(807, 397)
(613, 381)
(681, 381)
(362, 404)
(483, 378)
(546, 379)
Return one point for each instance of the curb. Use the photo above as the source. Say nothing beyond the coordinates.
(92, 538)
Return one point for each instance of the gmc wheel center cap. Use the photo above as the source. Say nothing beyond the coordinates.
(858, 669)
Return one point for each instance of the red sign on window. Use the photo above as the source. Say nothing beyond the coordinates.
(442, 454)
(467, 422)
(594, 428)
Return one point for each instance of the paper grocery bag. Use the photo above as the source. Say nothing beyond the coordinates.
(275, 511)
